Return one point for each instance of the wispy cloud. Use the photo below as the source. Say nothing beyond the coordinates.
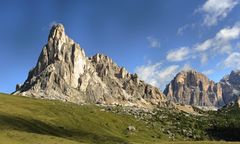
(157, 75)
(203, 58)
(215, 10)
(182, 29)
(153, 42)
(204, 46)
(229, 33)
(178, 54)
(208, 72)
(232, 61)
(221, 43)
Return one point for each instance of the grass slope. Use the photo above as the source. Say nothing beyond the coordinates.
(27, 120)
(24, 120)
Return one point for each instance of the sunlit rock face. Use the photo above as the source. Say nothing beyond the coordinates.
(63, 72)
(193, 88)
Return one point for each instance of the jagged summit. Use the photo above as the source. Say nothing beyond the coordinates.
(64, 72)
(57, 32)
(194, 88)
(235, 71)
(231, 86)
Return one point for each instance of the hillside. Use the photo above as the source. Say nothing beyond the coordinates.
(27, 120)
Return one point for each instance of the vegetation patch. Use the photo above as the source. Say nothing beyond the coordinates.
(27, 120)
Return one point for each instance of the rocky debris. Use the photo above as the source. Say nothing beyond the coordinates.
(193, 88)
(186, 108)
(207, 108)
(168, 120)
(131, 128)
(63, 72)
(231, 86)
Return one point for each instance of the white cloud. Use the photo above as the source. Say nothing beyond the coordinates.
(221, 43)
(223, 48)
(149, 73)
(166, 74)
(204, 46)
(216, 10)
(178, 55)
(157, 76)
(208, 72)
(153, 42)
(232, 61)
(182, 29)
(154, 75)
(229, 33)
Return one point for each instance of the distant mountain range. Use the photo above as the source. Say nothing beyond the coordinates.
(63, 72)
(194, 88)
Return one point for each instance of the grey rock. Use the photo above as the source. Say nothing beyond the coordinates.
(63, 72)
(231, 86)
(131, 128)
(193, 88)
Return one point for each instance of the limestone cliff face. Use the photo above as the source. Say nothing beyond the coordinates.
(193, 88)
(231, 86)
(64, 72)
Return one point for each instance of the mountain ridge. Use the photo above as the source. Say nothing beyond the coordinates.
(195, 88)
(64, 72)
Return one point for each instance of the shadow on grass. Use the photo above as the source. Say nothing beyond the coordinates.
(39, 127)
(227, 133)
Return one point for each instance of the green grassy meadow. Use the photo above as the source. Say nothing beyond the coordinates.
(33, 121)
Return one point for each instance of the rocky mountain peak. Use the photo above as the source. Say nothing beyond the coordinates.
(234, 77)
(101, 58)
(57, 32)
(64, 72)
(231, 86)
(193, 78)
(194, 88)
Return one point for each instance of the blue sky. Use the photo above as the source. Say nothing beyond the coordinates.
(154, 38)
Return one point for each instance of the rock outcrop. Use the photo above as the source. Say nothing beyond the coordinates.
(231, 86)
(63, 72)
(193, 88)
(233, 106)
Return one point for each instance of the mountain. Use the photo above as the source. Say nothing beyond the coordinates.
(231, 86)
(64, 72)
(194, 88)
(26, 120)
